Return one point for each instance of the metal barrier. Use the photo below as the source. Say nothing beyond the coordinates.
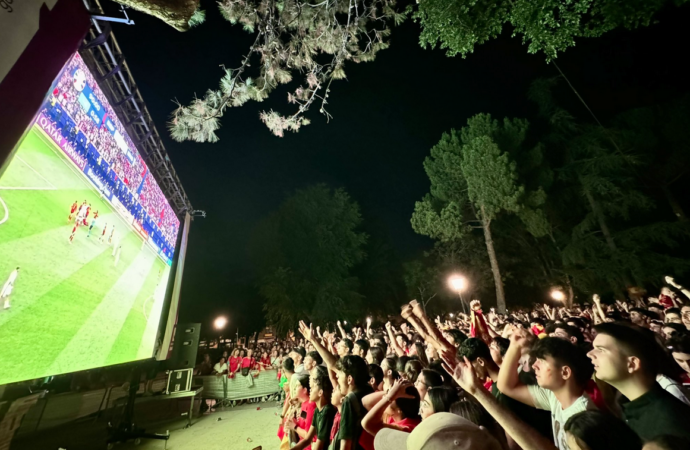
(239, 387)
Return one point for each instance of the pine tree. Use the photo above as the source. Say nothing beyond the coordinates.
(608, 236)
(294, 38)
(474, 180)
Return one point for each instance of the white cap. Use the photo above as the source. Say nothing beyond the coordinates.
(440, 431)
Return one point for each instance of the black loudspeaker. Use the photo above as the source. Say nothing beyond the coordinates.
(185, 346)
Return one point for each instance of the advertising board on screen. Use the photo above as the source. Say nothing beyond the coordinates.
(87, 239)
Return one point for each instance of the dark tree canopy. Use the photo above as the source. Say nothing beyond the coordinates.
(546, 26)
(305, 253)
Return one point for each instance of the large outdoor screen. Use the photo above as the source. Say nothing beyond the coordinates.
(86, 239)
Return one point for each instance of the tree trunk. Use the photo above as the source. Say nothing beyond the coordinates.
(175, 13)
(675, 206)
(569, 294)
(500, 294)
(596, 208)
(599, 214)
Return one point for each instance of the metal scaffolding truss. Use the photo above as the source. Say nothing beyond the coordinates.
(102, 54)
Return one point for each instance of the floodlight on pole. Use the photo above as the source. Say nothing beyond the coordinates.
(220, 322)
(458, 283)
(557, 295)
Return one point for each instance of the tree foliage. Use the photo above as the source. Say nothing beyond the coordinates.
(546, 26)
(305, 40)
(305, 254)
(474, 179)
(609, 235)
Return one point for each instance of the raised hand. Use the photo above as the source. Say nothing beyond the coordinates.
(596, 299)
(339, 325)
(463, 373)
(388, 326)
(306, 331)
(519, 338)
(398, 389)
(671, 281)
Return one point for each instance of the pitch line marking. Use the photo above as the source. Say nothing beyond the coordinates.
(7, 211)
(23, 188)
(36, 172)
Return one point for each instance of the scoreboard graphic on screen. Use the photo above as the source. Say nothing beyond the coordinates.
(87, 239)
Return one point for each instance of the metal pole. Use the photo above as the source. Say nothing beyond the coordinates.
(464, 309)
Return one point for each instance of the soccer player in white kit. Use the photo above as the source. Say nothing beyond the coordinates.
(7, 288)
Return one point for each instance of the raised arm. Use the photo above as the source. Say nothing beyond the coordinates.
(508, 381)
(524, 435)
(373, 421)
(673, 283)
(308, 334)
(394, 344)
(597, 310)
(438, 341)
(342, 330)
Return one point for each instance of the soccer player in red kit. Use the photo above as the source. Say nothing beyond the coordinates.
(105, 228)
(74, 230)
(88, 210)
(72, 210)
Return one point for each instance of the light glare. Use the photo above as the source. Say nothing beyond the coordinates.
(220, 323)
(557, 295)
(458, 283)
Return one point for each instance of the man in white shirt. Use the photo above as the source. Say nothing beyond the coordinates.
(221, 367)
(297, 354)
(562, 371)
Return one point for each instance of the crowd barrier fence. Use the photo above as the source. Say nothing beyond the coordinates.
(239, 387)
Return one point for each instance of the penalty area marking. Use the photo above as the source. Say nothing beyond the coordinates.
(143, 308)
(36, 172)
(7, 211)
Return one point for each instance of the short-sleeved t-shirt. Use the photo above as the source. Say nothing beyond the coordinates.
(323, 423)
(546, 399)
(351, 414)
(538, 419)
(657, 413)
(306, 416)
(406, 425)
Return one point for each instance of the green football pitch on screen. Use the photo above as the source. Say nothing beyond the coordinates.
(78, 304)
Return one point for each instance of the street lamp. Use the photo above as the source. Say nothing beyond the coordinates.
(557, 295)
(458, 283)
(220, 322)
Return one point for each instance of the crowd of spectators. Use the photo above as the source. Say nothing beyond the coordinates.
(124, 172)
(582, 377)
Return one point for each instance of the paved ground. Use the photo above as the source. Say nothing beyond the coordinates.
(231, 432)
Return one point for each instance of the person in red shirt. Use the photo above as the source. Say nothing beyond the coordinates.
(400, 404)
(234, 360)
(301, 424)
(248, 362)
(265, 362)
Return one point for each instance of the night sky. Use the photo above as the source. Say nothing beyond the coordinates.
(386, 117)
